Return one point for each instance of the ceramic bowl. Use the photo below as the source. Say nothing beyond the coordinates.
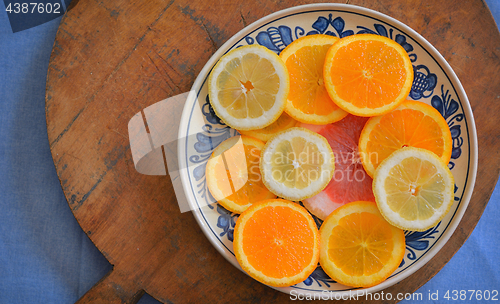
(434, 83)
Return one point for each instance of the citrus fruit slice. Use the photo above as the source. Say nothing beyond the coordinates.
(367, 74)
(276, 242)
(413, 124)
(282, 123)
(413, 188)
(296, 164)
(248, 87)
(308, 100)
(233, 174)
(350, 182)
(358, 246)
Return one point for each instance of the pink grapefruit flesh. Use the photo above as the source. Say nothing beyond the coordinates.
(350, 181)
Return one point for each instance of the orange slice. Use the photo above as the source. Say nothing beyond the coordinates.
(308, 101)
(358, 246)
(414, 189)
(367, 75)
(284, 122)
(276, 242)
(233, 174)
(413, 124)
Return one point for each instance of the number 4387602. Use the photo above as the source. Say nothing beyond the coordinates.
(471, 294)
(33, 8)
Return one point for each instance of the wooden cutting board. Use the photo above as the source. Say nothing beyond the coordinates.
(111, 59)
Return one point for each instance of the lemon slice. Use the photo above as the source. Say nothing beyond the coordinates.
(413, 189)
(248, 87)
(297, 164)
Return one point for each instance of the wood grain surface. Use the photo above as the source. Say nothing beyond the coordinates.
(113, 58)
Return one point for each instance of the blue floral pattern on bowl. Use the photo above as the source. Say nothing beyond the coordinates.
(428, 75)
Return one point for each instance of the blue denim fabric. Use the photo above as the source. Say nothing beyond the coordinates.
(45, 257)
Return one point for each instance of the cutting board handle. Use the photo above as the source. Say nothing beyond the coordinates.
(112, 288)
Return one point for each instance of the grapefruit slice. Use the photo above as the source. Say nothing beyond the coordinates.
(350, 181)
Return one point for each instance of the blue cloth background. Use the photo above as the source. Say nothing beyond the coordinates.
(45, 257)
